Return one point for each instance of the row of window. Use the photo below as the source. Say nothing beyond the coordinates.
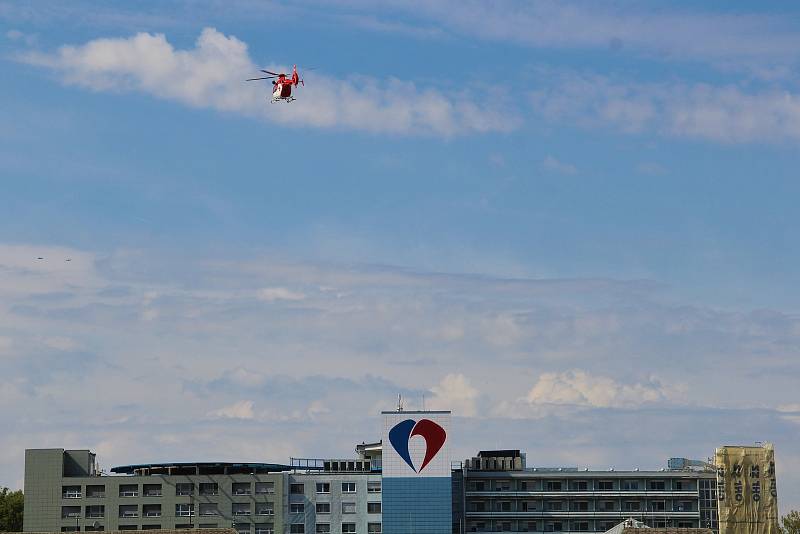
(325, 508)
(579, 506)
(325, 528)
(559, 526)
(373, 486)
(181, 488)
(241, 528)
(579, 485)
(154, 510)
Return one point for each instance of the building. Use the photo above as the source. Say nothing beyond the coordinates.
(403, 484)
(501, 494)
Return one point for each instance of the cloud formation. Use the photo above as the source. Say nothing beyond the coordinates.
(727, 114)
(579, 388)
(211, 75)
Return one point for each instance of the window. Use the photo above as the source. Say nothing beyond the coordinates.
(184, 510)
(72, 528)
(323, 487)
(209, 525)
(348, 528)
(265, 528)
(348, 507)
(209, 488)
(685, 524)
(151, 490)
(580, 526)
(476, 486)
(579, 485)
(184, 488)
(208, 508)
(504, 506)
(128, 490)
(323, 528)
(374, 486)
(553, 526)
(657, 485)
(264, 488)
(684, 506)
(297, 528)
(373, 528)
(677, 485)
(323, 507)
(606, 506)
(630, 485)
(241, 508)
(297, 508)
(523, 485)
(95, 492)
(529, 506)
(532, 526)
(95, 511)
(658, 506)
(348, 487)
(183, 526)
(151, 510)
(151, 527)
(70, 511)
(242, 528)
(92, 528)
(265, 508)
(553, 485)
(603, 526)
(241, 488)
(70, 492)
(502, 485)
(632, 506)
(554, 506)
(128, 510)
(127, 527)
(373, 507)
(296, 489)
(579, 506)
(504, 526)
(605, 485)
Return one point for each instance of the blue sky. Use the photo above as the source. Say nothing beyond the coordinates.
(597, 199)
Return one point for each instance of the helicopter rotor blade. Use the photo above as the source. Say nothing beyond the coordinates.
(270, 72)
(264, 78)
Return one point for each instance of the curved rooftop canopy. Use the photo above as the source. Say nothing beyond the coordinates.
(199, 468)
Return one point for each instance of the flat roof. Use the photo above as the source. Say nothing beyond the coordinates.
(131, 469)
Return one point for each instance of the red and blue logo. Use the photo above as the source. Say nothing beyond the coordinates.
(433, 434)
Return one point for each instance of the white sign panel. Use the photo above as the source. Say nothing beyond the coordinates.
(416, 444)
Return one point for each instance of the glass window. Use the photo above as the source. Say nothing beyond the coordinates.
(95, 511)
(265, 508)
(579, 485)
(297, 528)
(128, 510)
(70, 511)
(184, 488)
(323, 528)
(92, 528)
(71, 492)
(242, 528)
(208, 508)
(209, 525)
(657, 485)
(241, 508)
(151, 510)
(630, 485)
(323, 507)
(151, 527)
(263, 488)
(184, 510)
(348, 528)
(128, 490)
(96, 492)
(241, 488)
(605, 485)
(265, 528)
(348, 507)
(151, 490)
(373, 528)
(374, 486)
(348, 487)
(127, 527)
(323, 487)
(553, 485)
(209, 488)
(296, 489)
(373, 507)
(297, 508)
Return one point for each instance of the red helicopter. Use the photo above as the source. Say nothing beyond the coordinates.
(282, 86)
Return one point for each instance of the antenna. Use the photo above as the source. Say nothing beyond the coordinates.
(399, 403)
(423, 402)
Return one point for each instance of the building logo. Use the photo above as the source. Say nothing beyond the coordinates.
(433, 434)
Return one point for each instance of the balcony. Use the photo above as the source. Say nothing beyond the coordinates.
(71, 494)
(152, 514)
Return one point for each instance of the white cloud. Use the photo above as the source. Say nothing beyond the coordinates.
(238, 410)
(552, 164)
(212, 74)
(270, 294)
(455, 392)
(725, 114)
(578, 388)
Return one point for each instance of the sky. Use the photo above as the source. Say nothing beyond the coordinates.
(572, 223)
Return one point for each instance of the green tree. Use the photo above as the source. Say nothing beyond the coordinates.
(790, 523)
(11, 504)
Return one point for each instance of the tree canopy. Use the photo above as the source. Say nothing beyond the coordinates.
(790, 523)
(11, 505)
